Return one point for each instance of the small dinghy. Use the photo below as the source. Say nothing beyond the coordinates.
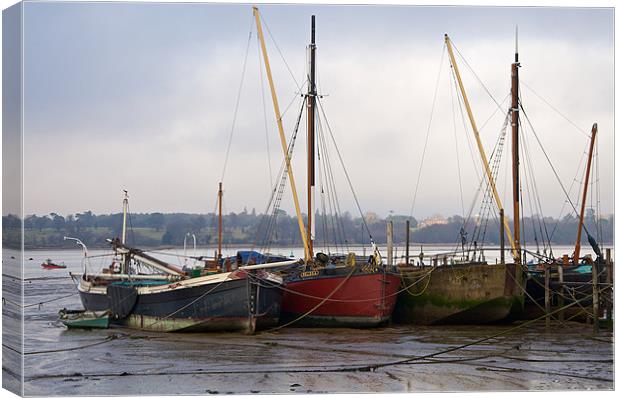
(83, 319)
(48, 264)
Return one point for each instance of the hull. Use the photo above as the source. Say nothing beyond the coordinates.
(579, 279)
(47, 266)
(363, 300)
(240, 304)
(460, 294)
(84, 319)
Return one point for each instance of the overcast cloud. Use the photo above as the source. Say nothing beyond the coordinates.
(141, 97)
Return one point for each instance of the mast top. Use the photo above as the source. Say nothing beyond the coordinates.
(312, 41)
(516, 44)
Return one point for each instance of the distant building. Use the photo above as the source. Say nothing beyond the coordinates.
(432, 220)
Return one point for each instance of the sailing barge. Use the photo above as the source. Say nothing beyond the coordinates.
(328, 290)
(469, 290)
(246, 299)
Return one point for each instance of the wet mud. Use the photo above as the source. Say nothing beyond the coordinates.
(117, 361)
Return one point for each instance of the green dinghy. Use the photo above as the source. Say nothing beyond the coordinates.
(82, 319)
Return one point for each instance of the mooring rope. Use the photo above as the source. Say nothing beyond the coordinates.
(5, 300)
(269, 284)
(316, 306)
(374, 367)
(106, 340)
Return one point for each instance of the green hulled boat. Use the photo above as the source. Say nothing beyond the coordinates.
(459, 294)
(82, 319)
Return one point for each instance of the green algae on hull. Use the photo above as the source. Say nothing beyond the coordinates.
(475, 293)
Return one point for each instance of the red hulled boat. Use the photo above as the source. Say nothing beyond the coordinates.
(328, 290)
(48, 264)
(340, 295)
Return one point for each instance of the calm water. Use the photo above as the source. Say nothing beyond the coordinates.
(121, 361)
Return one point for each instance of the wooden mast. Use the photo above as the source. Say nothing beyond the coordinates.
(483, 155)
(219, 222)
(125, 258)
(310, 127)
(514, 110)
(585, 193)
(276, 108)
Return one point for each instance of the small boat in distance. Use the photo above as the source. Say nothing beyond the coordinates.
(48, 264)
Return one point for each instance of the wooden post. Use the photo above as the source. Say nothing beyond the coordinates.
(547, 297)
(561, 293)
(595, 297)
(390, 243)
(609, 279)
(407, 244)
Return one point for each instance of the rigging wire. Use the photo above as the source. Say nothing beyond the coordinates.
(280, 52)
(428, 130)
(262, 91)
(551, 164)
(475, 74)
(234, 121)
(357, 203)
(458, 162)
(584, 132)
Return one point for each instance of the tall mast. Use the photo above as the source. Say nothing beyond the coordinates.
(125, 205)
(514, 91)
(483, 155)
(219, 222)
(585, 193)
(287, 159)
(311, 119)
(124, 257)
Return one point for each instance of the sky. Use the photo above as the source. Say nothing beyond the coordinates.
(142, 97)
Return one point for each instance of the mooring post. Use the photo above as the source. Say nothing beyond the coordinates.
(390, 243)
(609, 279)
(547, 297)
(561, 292)
(595, 296)
(407, 243)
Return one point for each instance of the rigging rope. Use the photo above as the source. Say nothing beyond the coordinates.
(234, 121)
(357, 203)
(584, 132)
(428, 131)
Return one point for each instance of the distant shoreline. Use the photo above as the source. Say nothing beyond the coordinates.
(206, 248)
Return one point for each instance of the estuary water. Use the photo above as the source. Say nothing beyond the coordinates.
(119, 361)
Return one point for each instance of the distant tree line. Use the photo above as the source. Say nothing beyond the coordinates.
(249, 228)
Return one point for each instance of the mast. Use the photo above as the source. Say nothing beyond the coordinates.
(287, 159)
(585, 193)
(124, 230)
(311, 119)
(125, 205)
(514, 110)
(219, 222)
(483, 155)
